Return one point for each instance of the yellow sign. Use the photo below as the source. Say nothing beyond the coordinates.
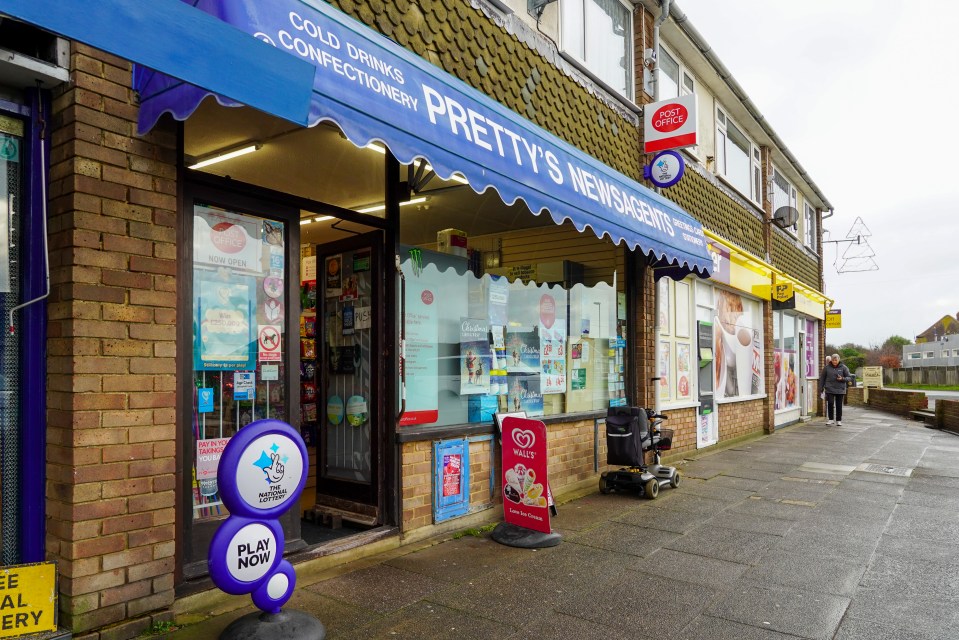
(28, 599)
(872, 377)
(783, 291)
(834, 319)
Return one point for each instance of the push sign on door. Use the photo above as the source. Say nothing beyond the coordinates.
(261, 475)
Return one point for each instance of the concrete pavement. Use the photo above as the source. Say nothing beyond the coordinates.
(814, 532)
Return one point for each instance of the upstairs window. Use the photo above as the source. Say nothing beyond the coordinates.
(598, 34)
(809, 227)
(737, 158)
(674, 79)
(784, 195)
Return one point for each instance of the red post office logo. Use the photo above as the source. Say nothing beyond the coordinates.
(670, 117)
(228, 237)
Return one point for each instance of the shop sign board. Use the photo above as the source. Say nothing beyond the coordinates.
(872, 377)
(28, 599)
(261, 474)
(834, 319)
(525, 483)
(783, 291)
(666, 169)
(669, 124)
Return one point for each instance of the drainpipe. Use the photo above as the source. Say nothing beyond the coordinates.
(657, 347)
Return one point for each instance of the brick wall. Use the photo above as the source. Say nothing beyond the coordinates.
(890, 400)
(947, 414)
(738, 419)
(683, 424)
(570, 461)
(111, 399)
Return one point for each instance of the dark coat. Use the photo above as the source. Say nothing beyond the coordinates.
(834, 379)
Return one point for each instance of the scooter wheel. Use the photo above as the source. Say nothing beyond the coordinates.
(604, 487)
(674, 481)
(651, 488)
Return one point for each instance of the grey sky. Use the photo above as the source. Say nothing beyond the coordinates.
(864, 94)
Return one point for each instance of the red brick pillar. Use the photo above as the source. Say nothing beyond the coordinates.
(769, 404)
(111, 387)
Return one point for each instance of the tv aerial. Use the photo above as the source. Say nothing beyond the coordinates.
(857, 255)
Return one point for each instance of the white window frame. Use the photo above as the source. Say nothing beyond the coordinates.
(810, 230)
(628, 72)
(930, 354)
(723, 120)
(791, 196)
(684, 74)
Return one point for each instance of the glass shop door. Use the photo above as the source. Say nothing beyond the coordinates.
(350, 374)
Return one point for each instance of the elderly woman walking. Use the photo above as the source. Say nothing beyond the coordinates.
(833, 381)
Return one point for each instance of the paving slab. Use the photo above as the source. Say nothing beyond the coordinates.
(564, 627)
(809, 571)
(459, 560)
(828, 545)
(707, 627)
(858, 629)
(724, 544)
(428, 621)
(929, 616)
(664, 519)
(773, 509)
(801, 613)
(912, 578)
(381, 588)
(687, 567)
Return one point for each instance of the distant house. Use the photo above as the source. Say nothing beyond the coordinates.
(934, 349)
(945, 326)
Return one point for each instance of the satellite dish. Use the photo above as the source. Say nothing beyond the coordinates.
(785, 217)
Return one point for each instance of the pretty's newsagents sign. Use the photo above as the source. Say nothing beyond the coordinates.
(375, 90)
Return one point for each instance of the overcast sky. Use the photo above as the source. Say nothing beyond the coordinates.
(863, 92)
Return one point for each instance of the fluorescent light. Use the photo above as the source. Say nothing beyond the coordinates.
(305, 221)
(455, 177)
(229, 155)
(381, 207)
(376, 147)
(322, 218)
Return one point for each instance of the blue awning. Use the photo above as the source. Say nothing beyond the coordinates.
(375, 90)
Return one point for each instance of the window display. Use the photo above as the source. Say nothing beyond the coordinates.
(475, 345)
(676, 381)
(737, 345)
(785, 361)
(238, 357)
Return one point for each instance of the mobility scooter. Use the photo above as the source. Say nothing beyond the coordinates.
(630, 433)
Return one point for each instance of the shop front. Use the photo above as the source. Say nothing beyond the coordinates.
(387, 278)
(732, 308)
(798, 312)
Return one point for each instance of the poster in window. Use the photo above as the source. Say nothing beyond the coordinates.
(683, 377)
(787, 390)
(682, 310)
(333, 272)
(664, 357)
(225, 335)
(420, 352)
(734, 345)
(525, 394)
(226, 239)
(811, 349)
(663, 298)
(476, 356)
(553, 361)
(522, 352)
(498, 299)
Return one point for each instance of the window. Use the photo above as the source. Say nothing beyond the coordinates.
(785, 357)
(238, 306)
(598, 34)
(784, 195)
(677, 355)
(930, 354)
(737, 158)
(672, 76)
(737, 346)
(915, 356)
(809, 227)
(508, 313)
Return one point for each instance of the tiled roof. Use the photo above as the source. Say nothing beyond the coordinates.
(465, 43)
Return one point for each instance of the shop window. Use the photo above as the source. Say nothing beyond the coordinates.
(239, 312)
(737, 346)
(506, 312)
(598, 34)
(677, 358)
(785, 362)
